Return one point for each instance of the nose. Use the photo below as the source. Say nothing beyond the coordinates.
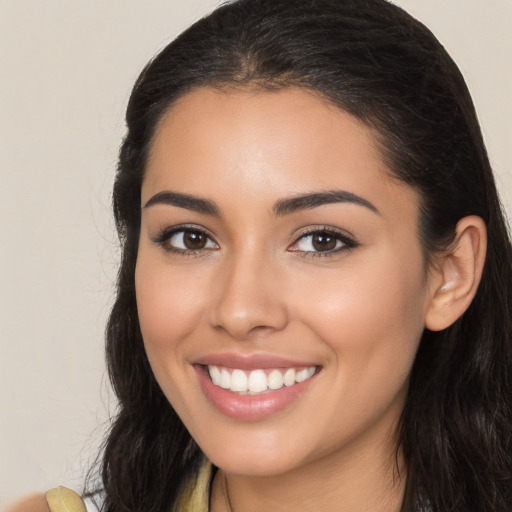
(250, 299)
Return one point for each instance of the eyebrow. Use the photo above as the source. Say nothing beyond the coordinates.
(189, 202)
(309, 201)
(282, 207)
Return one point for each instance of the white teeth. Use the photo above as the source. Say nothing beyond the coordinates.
(301, 375)
(275, 379)
(214, 374)
(257, 381)
(238, 381)
(289, 377)
(225, 379)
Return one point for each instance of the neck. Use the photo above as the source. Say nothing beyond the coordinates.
(360, 479)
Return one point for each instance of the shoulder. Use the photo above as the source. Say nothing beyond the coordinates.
(32, 503)
(59, 499)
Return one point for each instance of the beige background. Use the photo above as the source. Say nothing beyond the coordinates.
(66, 71)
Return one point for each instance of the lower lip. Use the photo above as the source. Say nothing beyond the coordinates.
(250, 407)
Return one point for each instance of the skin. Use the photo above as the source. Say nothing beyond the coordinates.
(259, 288)
(258, 285)
(34, 503)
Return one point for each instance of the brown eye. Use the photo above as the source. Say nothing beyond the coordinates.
(194, 240)
(323, 241)
(186, 241)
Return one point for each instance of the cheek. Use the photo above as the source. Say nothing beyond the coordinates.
(169, 307)
(371, 319)
(372, 326)
(169, 303)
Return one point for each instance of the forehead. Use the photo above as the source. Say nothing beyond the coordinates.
(254, 144)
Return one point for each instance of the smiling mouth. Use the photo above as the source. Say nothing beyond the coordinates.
(257, 382)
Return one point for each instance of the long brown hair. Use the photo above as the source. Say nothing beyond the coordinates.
(371, 59)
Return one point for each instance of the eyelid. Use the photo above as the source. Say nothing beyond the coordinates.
(167, 233)
(348, 240)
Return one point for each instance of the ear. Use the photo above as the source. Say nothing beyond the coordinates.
(457, 274)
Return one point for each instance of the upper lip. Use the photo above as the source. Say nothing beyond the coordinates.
(251, 361)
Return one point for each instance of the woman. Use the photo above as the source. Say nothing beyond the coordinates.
(316, 273)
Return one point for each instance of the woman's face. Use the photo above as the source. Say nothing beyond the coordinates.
(275, 248)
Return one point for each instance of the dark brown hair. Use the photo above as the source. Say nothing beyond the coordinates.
(371, 59)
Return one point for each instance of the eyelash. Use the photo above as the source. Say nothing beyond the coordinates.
(165, 236)
(348, 243)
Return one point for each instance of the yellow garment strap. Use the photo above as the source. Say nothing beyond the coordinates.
(61, 499)
(196, 494)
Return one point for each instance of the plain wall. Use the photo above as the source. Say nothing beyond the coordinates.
(66, 71)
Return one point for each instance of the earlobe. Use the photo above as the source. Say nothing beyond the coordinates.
(457, 274)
